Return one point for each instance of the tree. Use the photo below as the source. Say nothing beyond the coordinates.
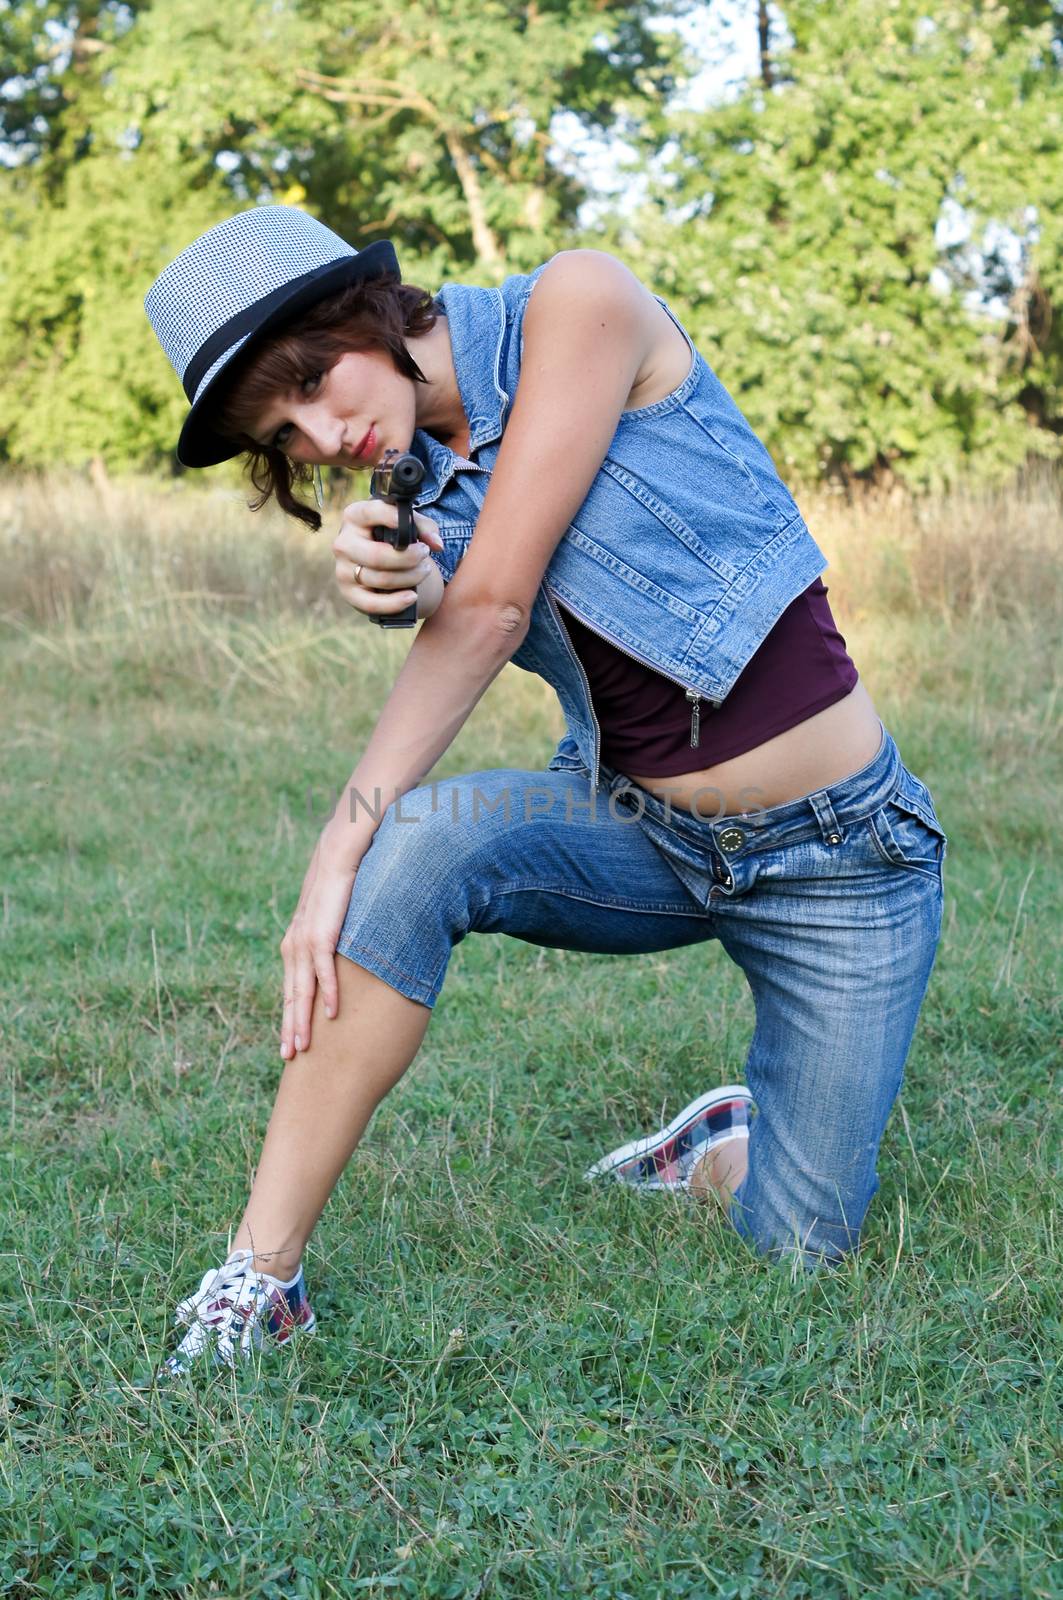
(803, 230)
(428, 121)
(49, 55)
(460, 100)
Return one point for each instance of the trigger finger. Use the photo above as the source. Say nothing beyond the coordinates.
(428, 531)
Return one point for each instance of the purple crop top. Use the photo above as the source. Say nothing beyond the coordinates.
(801, 667)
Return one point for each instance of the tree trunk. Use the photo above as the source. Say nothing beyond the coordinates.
(767, 76)
(482, 237)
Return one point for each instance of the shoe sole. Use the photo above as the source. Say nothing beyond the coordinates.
(714, 1100)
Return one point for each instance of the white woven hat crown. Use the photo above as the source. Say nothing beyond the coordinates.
(241, 278)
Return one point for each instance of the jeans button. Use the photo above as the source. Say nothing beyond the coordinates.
(731, 839)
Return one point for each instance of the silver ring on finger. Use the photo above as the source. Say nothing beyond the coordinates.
(357, 571)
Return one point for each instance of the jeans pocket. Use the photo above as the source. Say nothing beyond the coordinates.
(907, 833)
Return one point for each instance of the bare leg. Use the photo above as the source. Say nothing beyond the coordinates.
(325, 1100)
(721, 1171)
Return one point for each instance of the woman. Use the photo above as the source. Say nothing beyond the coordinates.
(602, 515)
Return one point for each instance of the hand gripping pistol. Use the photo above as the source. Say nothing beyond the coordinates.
(396, 479)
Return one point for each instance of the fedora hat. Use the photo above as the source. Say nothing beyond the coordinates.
(239, 280)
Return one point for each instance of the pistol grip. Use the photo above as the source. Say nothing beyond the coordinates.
(399, 539)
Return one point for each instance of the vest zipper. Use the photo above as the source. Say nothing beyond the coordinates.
(693, 695)
(695, 718)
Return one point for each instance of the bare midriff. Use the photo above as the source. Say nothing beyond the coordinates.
(818, 752)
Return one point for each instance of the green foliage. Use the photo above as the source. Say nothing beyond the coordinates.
(801, 228)
(50, 51)
(869, 249)
(132, 130)
(82, 375)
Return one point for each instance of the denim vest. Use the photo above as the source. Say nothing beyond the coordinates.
(685, 552)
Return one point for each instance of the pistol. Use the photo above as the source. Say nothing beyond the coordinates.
(396, 479)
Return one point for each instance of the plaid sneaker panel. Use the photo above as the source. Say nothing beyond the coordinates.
(668, 1165)
(288, 1311)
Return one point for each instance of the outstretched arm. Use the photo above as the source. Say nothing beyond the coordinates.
(587, 331)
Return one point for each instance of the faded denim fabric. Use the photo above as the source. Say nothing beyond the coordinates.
(831, 905)
(685, 552)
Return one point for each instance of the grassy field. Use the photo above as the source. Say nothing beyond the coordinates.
(634, 1406)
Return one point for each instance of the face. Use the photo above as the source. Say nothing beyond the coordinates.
(346, 417)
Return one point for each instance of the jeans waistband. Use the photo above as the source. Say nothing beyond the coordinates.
(824, 814)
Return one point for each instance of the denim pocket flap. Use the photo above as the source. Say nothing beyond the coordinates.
(914, 807)
(908, 834)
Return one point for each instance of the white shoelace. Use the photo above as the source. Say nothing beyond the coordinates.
(232, 1324)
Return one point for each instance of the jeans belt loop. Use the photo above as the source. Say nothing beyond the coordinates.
(829, 826)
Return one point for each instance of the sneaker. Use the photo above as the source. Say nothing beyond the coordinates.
(665, 1160)
(236, 1307)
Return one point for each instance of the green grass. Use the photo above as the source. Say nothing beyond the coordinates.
(635, 1406)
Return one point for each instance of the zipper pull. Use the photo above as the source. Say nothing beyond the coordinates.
(695, 718)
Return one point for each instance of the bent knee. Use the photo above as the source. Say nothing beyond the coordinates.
(414, 881)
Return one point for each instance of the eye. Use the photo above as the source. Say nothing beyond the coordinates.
(307, 386)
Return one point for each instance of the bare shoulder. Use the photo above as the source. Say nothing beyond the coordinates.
(589, 280)
(580, 279)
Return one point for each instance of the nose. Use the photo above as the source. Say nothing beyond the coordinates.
(323, 433)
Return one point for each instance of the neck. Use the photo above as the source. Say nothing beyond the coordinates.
(437, 404)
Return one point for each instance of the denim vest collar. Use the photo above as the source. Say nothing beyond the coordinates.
(476, 321)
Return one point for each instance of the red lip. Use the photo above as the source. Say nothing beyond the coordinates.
(366, 446)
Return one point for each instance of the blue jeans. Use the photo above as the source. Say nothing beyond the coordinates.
(831, 905)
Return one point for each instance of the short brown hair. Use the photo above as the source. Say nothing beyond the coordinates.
(379, 314)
